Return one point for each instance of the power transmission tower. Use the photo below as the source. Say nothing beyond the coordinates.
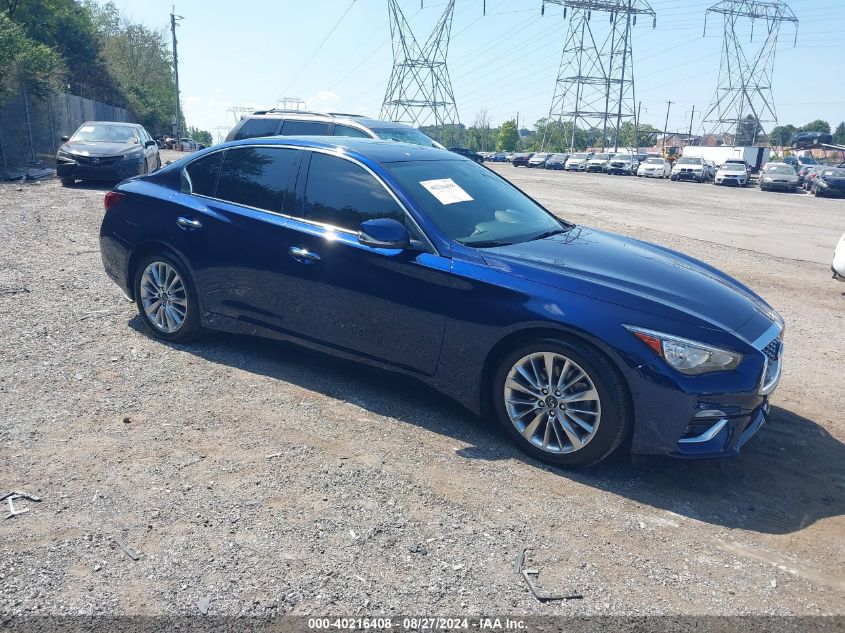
(744, 103)
(419, 91)
(594, 90)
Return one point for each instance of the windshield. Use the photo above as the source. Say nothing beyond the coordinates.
(472, 205)
(834, 173)
(733, 167)
(405, 135)
(579, 156)
(540, 155)
(780, 169)
(807, 160)
(625, 157)
(654, 161)
(688, 160)
(106, 134)
(601, 156)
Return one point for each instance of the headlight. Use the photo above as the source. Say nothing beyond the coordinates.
(822, 183)
(767, 179)
(63, 154)
(688, 357)
(135, 154)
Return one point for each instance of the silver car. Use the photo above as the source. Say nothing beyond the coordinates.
(779, 176)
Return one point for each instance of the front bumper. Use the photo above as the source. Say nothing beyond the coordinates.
(688, 175)
(710, 415)
(779, 184)
(595, 168)
(732, 180)
(95, 168)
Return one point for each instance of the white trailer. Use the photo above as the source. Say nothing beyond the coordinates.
(754, 156)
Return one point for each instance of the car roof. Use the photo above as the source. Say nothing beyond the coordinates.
(122, 123)
(376, 150)
(325, 116)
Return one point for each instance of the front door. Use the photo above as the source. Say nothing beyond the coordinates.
(384, 304)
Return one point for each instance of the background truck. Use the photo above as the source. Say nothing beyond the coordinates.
(755, 157)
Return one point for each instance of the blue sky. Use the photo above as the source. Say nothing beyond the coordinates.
(252, 53)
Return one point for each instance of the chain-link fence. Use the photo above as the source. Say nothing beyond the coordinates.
(31, 128)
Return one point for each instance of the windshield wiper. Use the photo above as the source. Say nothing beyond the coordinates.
(486, 244)
(546, 234)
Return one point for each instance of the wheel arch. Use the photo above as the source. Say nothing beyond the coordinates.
(518, 337)
(148, 248)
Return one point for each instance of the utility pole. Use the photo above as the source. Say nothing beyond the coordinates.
(173, 19)
(637, 127)
(666, 125)
(689, 136)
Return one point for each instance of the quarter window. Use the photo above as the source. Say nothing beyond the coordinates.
(261, 177)
(202, 174)
(254, 128)
(348, 130)
(342, 194)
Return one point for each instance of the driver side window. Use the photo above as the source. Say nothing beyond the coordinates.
(342, 194)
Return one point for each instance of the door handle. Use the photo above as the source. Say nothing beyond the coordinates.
(303, 255)
(188, 224)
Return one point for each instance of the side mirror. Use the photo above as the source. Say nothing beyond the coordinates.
(384, 233)
(150, 144)
(65, 139)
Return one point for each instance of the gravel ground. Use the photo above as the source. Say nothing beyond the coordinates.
(257, 478)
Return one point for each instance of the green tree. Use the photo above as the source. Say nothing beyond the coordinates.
(66, 27)
(201, 136)
(747, 131)
(839, 134)
(140, 61)
(24, 61)
(816, 126)
(646, 135)
(781, 135)
(508, 137)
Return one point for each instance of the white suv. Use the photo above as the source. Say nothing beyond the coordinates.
(300, 123)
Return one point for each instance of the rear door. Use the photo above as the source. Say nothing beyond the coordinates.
(233, 234)
(384, 304)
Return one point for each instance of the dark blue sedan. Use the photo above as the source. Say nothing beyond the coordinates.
(420, 261)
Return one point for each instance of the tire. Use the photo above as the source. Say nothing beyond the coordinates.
(68, 182)
(614, 412)
(182, 297)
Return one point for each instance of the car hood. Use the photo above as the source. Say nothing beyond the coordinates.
(631, 273)
(85, 148)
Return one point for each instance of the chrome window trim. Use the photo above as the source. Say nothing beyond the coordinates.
(287, 216)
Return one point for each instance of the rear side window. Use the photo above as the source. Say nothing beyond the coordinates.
(199, 176)
(294, 127)
(348, 130)
(254, 128)
(261, 177)
(342, 194)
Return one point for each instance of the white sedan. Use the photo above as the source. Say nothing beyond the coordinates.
(655, 168)
(732, 174)
(838, 265)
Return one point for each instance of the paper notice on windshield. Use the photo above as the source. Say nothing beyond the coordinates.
(446, 191)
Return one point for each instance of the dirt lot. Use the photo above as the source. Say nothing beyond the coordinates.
(256, 478)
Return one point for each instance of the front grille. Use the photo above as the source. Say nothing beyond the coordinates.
(96, 160)
(772, 350)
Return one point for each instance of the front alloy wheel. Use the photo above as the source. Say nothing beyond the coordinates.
(562, 402)
(552, 402)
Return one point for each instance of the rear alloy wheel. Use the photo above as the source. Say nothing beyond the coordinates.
(166, 300)
(561, 402)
